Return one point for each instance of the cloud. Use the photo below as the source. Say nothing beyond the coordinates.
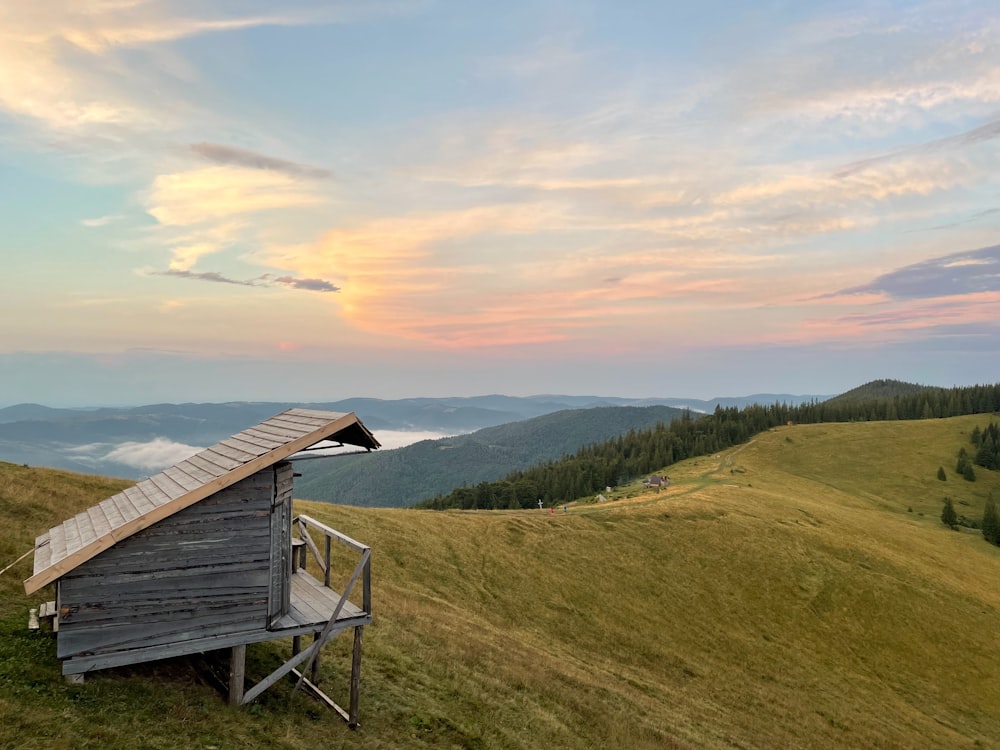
(265, 280)
(313, 285)
(208, 209)
(212, 276)
(99, 221)
(230, 155)
(62, 66)
(964, 273)
(870, 74)
(219, 193)
(151, 456)
(975, 136)
(961, 222)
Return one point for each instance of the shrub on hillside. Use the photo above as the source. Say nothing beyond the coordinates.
(948, 516)
(991, 522)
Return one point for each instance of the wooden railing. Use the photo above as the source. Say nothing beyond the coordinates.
(323, 558)
(309, 657)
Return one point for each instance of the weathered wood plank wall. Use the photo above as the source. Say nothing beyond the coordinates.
(203, 572)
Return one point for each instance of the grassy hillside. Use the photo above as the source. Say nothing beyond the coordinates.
(797, 591)
(405, 476)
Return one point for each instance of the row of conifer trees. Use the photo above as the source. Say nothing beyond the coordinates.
(625, 458)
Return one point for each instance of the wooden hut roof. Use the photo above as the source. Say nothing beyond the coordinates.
(78, 539)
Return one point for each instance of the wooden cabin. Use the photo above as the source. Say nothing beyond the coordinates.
(207, 555)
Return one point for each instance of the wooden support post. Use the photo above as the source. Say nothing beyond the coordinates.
(366, 588)
(237, 673)
(296, 644)
(352, 722)
(326, 571)
(314, 670)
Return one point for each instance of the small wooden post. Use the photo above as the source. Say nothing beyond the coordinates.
(352, 722)
(237, 673)
(366, 587)
(296, 644)
(326, 573)
(314, 673)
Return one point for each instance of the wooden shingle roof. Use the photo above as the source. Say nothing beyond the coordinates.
(78, 539)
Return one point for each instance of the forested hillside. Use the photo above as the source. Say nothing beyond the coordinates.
(416, 472)
(625, 458)
(877, 390)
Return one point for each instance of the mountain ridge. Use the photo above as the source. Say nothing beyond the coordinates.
(89, 439)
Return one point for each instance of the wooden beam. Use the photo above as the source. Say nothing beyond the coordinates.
(315, 690)
(343, 538)
(304, 534)
(288, 666)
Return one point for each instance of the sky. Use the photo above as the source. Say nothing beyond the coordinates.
(309, 201)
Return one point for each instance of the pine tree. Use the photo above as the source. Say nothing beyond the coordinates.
(948, 516)
(991, 522)
(968, 474)
(941, 475)
(962, 462)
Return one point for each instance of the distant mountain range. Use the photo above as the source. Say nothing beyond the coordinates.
(133, 442)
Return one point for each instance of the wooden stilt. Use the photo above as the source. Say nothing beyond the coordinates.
(237, 673)
(314, 670)
(296, 644)
(352, 722)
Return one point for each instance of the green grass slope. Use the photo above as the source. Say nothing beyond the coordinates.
(780, 594)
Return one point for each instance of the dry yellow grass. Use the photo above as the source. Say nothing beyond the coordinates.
(778, 595)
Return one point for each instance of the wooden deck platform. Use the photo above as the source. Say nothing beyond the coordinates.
(312, 607)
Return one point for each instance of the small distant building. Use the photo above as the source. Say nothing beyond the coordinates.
(657, 481)
(601, 499)
(206, 555)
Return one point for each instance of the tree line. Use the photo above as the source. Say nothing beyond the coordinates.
(987, 446)
(640, 452)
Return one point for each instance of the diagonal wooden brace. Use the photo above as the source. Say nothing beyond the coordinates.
(313, 650)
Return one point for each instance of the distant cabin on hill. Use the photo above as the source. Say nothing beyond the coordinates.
(202, 556)
(657, 481)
